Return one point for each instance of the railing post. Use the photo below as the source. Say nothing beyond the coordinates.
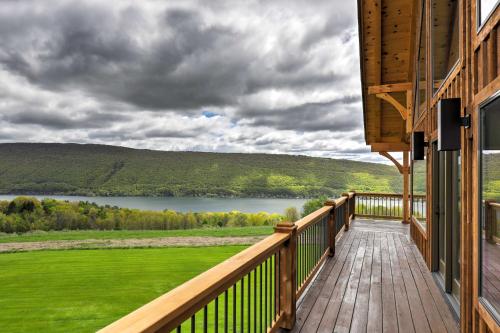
(488, 222)
(288, 275)
(346, 211)
(353, 204)
(331, 228)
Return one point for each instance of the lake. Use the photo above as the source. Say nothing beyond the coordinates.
(186, 204)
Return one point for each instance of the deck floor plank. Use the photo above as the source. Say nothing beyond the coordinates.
(417, 310)
(448, 319)
(377, 281)
(389, 316)
(360, 314)
(405, 323)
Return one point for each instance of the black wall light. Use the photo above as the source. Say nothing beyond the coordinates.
(418, 146)
(449, 122)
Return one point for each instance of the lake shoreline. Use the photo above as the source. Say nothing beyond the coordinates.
(180, 204)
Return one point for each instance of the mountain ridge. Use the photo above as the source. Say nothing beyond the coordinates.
(91, 169)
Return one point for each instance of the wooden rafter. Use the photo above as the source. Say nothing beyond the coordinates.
(391, 100)
(396, 163)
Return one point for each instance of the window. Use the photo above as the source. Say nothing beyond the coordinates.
(484, 9)
(445, 39)
(421, 77)
(419, 190)
(489, 210)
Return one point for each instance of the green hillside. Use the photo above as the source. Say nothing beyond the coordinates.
(108, 170)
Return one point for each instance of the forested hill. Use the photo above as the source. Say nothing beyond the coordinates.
(108, 170)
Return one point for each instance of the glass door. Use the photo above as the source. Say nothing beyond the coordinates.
(456, 225)
(443, 237)
(446, 230)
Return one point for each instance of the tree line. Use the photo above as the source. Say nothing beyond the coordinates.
(24, 214)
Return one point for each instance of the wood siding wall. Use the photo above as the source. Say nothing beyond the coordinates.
(474, 79)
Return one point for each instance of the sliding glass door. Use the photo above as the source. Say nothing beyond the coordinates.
(446, 231)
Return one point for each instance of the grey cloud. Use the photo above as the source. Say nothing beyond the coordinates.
(172, 133)
(62, 121)
(336, 115)
(192, 65)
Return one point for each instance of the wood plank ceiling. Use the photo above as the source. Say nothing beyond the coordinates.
(386, 33)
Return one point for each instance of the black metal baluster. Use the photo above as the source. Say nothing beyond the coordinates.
(302, 261)
(242, 301)
(275, 279)
(278, 286)
(270, 291)
(234, 308)
(226, 296)
(205, 319)
(193, 323)
(179, 329)
(265, 294)
(255, 300)
(260, 297)
(216, 315)
(249, 301)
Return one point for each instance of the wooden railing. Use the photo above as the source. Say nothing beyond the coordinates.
(492, 230)
(385, 205)
(255, 290)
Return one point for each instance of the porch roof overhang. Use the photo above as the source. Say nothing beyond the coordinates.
(386, 39)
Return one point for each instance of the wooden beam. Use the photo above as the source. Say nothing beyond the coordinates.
(372, 35)
(391, 100)
(389, 146)
(393, 87)
(398, 87)
(396, 163)
(409, 110)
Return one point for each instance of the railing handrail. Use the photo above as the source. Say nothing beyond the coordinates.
(493, 204)
(177, 305)
(394, 195)
(306, 221)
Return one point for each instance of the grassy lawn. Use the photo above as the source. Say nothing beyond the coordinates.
(83, 290)
(40, 236)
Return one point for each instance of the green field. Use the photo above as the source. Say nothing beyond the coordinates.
(83, 290)
(40, 236)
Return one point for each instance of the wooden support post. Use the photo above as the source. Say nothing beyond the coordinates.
(353, 212)
(346, 211)
(331, 228)
(288, 275)
(488, 225)
(406, 192)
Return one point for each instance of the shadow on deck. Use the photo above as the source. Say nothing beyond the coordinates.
(377, 281)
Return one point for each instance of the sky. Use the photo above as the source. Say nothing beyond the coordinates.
(249, 76)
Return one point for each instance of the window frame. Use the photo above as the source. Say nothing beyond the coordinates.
(480, 25)
(494, 313)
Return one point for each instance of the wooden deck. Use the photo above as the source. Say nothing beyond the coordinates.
(377, 281)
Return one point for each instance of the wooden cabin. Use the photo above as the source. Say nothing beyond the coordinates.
(430, 84)
(430, 76)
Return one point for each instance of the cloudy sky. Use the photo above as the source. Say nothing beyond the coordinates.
(277, 76)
